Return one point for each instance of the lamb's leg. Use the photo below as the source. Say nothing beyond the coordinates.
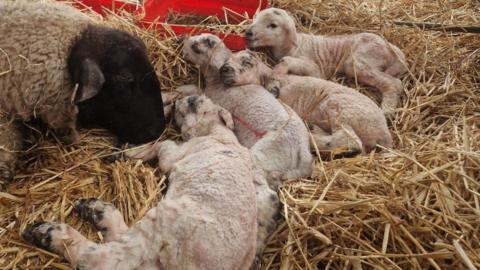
(137, 247)
(144, 152)
(10, 144)
(267, 210)
(343, 139)
(104, 216)
(297, 66)
(66, 241)
(168, 99)
(390, 87)
(63, 119)
(280, 162)
(168, 154)
(130, 252)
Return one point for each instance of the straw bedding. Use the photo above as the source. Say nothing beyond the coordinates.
(417, 207)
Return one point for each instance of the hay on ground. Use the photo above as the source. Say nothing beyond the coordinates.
(417, 207)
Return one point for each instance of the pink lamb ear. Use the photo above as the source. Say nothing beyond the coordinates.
(226, 118)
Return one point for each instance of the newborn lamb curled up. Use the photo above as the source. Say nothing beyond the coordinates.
(365, 56)
(277, 137)
(342, 117)
(207, 219)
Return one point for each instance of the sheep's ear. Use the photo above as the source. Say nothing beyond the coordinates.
(226, 118)
(90, 80)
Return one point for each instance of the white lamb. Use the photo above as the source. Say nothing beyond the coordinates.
(267, 199)
(366, 57)
(343, 118)
(275, 134)
(207, 219)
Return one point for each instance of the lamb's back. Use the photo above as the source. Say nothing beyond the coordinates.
(255, 106)
(214, 185)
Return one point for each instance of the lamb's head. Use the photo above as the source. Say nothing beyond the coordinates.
(196, 115)
(273, 29)
(117, 87)
(206, 50)
(243, 68)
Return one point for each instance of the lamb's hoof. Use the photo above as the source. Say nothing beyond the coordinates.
(67, 136)
(348, 154)
(39, 234)
(92, 210)
(118, 155)
(275, 91)
(257, 263)
(115, 157)
(6, 174)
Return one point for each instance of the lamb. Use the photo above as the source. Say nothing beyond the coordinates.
(274, 133)
(342, 117)
(207, 219)
(364, 56)
(57, 65)
(267, 199)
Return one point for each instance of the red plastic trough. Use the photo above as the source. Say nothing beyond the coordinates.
(157, 10)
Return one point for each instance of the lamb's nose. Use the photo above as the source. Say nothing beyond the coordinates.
(249, 33)
(225, 69)
(191, 100)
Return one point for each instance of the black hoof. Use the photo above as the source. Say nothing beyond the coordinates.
(91, 210)
(114, 157)
(39, 234)
(348, 154)
(6, 175)
(275, 91)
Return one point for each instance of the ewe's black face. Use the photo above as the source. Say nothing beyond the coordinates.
(118, 89)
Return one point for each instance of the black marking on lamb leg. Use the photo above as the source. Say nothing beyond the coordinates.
(87, 210)
(37, 235)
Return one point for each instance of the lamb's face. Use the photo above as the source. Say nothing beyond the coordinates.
(205, 50)
(271, 27)
(240, 69)
(195, 115)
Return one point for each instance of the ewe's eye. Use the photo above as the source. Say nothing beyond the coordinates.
(272, 25)
(128, 78)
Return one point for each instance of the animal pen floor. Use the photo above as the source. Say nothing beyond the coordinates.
(418, 207)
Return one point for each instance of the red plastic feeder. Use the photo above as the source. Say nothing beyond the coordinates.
(155, 12)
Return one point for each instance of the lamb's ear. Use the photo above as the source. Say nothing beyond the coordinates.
(226, 117)
(90, 80)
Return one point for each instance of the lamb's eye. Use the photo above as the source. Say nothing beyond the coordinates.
(246, 63)
(210, 43)
(272, 25)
